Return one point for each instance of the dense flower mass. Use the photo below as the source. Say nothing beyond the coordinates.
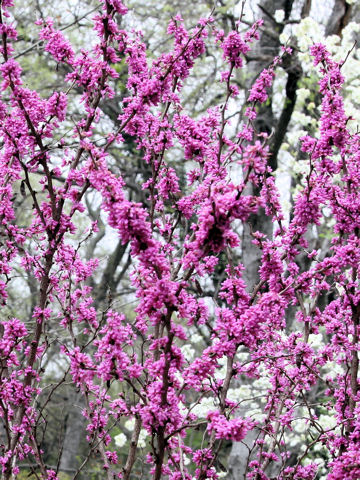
(142, 364)
(235, 429)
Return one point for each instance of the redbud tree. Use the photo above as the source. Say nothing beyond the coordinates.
(133, 366)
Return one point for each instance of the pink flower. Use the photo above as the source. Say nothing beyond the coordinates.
(234, 429)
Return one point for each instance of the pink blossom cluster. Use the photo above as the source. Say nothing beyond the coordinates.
(234, 429)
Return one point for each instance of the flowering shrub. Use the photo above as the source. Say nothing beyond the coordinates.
(176, 241)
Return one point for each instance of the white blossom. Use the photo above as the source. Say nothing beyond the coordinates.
(120, 440)
(188, 352)
(142, 438)
(279, 15)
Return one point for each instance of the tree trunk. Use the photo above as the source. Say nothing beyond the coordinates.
(74, 432)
